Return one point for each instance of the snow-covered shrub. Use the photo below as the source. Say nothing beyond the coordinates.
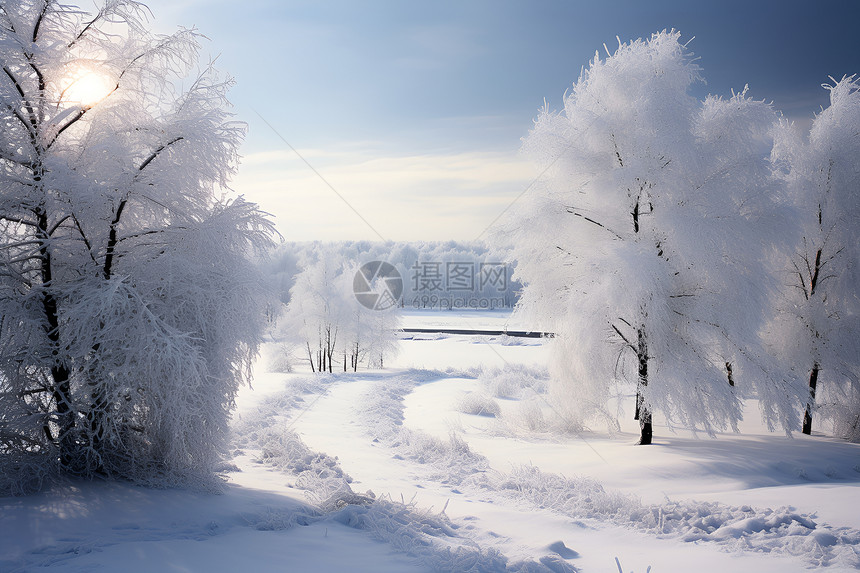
(478, 404)
(514, 381)
(281, 359)
(129, 308)
(23, 472)
(529, 415)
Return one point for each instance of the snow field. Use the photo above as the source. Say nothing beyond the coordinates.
(446, 460)
(440, 489)
(423, 533)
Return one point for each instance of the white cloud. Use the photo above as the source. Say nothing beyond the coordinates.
(410, 197)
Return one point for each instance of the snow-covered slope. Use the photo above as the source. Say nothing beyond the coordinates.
(440, 464)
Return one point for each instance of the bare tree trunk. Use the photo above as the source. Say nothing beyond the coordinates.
(61, 388)
(328, 349)
(807, 415)
(310, 357)
(642, 408)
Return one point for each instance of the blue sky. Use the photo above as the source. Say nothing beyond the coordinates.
(413, 112)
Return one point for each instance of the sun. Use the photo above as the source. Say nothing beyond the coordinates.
(86, 88)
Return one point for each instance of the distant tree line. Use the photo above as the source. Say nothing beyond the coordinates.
(436, 275)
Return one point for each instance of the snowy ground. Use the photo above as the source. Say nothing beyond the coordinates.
(453, 460)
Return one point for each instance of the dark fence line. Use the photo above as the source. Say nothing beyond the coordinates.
(469, 332)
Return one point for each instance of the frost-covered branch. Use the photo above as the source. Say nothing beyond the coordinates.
(574, 212)
(158, 151)
(32, 125)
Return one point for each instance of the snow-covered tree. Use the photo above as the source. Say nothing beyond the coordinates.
(328, 322)
(816, 333)
(627, 246)
(440, 275)
(316, 311)
(740, 219)
(129, 311)
(369, 334)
